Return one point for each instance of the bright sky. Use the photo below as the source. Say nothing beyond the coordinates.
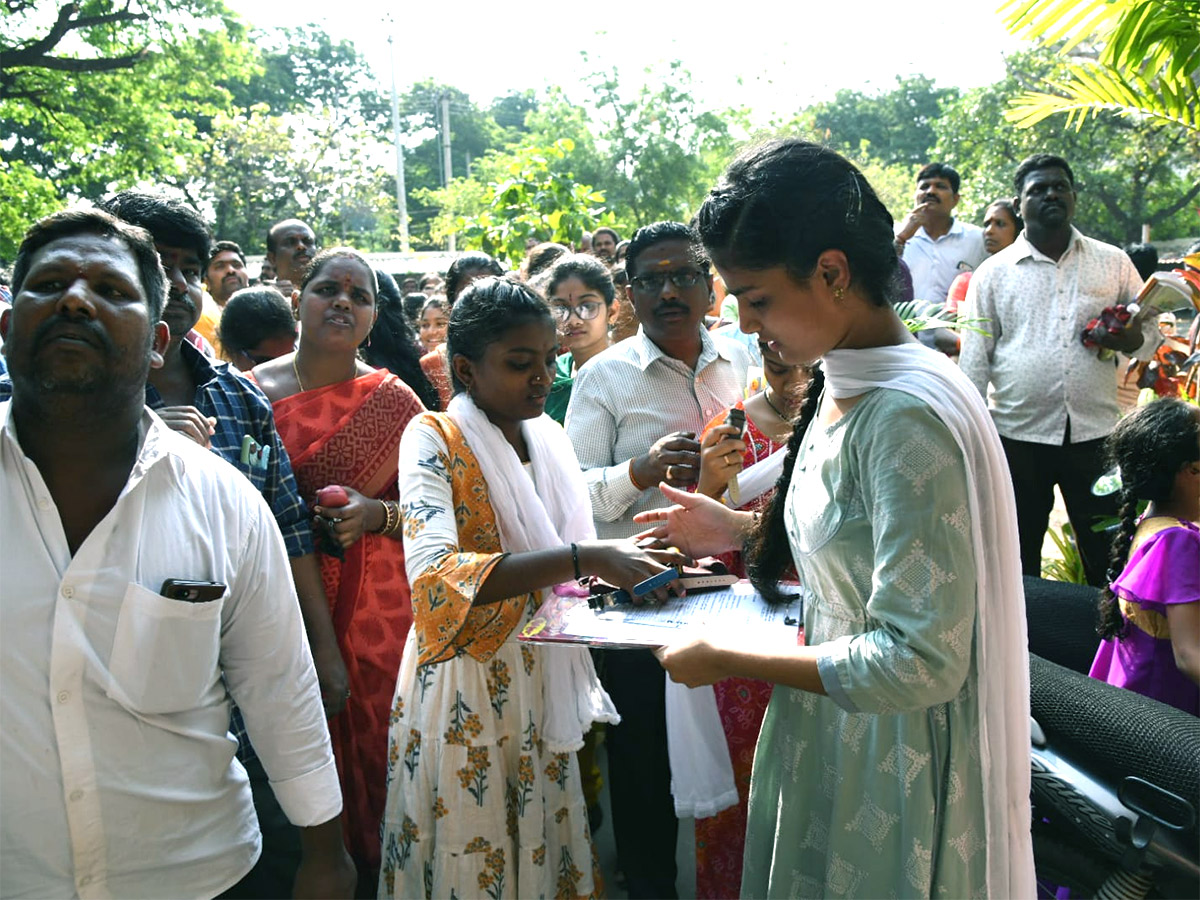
(786, 54)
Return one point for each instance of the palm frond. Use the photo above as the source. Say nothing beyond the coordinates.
(1089, 89)
(1148, 62)
(1070, 21)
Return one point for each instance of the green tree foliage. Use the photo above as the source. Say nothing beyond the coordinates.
(473, 132)
(302, 139)
(304, 70)
(259, 168)
(897, 124)
(93, 94)
(1141, 58)
(526, 194)
(661, 150)
(1128, 174)
(26, 198)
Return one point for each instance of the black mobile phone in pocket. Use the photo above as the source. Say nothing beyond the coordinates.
(192, 591)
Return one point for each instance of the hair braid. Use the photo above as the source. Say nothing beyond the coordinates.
(1150, 446)
(767, 547)
(1111, 623)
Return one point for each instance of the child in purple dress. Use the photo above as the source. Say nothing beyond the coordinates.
(1150, 612)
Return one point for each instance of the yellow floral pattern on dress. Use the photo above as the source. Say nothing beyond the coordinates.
(474, 775)
(558, 769)
(477, 806)
(412, 752)
(446, 622)
(568, 876)
(464, 724)
(497, 684)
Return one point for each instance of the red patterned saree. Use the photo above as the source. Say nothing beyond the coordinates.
(349, 434)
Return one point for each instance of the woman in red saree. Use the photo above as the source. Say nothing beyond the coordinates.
(341, 422)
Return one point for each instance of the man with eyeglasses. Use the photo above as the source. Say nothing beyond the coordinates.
(634, 417)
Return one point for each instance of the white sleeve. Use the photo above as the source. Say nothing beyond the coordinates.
(269, 672)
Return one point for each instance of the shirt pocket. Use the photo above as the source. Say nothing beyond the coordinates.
(166, 653)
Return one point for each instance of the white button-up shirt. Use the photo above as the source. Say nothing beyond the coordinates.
(116, 766)
(628, 397)
(1036, 309)
(934, 263)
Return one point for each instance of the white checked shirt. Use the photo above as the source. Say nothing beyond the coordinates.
(1039, 371)
(116, 768)
(935, 263)
(631, 395)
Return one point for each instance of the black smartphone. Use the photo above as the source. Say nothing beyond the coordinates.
(737, 418)
(192, 591)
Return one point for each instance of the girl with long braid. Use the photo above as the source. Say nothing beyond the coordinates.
(894, 755)
(1150, 611)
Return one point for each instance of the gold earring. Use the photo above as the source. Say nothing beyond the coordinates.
(839, 293)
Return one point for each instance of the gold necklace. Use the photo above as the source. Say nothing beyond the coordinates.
(296, 370)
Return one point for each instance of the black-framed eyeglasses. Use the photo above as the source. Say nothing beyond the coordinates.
(654, 281)
(586, 311)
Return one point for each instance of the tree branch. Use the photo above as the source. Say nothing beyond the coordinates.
(1166, 212)
(108, 64)
(34, 54)
(1115, 209)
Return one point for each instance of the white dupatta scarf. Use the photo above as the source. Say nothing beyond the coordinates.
(555, 513)
(1001, 643)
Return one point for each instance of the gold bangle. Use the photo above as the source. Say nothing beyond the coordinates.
(391, 517)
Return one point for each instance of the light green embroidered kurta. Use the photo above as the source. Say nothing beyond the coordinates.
(875, 790)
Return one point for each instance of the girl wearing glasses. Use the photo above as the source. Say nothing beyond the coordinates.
(583, 302)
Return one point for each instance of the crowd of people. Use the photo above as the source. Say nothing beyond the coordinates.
(301, 675)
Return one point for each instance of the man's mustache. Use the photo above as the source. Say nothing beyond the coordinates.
(84, 329)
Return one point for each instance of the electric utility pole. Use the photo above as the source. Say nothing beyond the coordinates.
(447, 171)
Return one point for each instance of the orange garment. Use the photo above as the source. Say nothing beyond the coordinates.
(436, 367)
(447, 622)
(349, 434)
(209, 323)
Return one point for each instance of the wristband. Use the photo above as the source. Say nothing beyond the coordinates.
(633, 479)
(575, 560)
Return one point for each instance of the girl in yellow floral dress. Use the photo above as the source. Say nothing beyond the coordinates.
(484, 798)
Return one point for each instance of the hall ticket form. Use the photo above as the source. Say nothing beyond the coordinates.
(730, 611)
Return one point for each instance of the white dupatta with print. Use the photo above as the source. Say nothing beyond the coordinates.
(1001, 642)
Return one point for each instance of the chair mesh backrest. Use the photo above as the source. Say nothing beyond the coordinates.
(1062, 622)
(1114, 733)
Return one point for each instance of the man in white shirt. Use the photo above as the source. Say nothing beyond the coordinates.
(142, 583)
(1053, 399)
(635, 414)
(935, 246)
